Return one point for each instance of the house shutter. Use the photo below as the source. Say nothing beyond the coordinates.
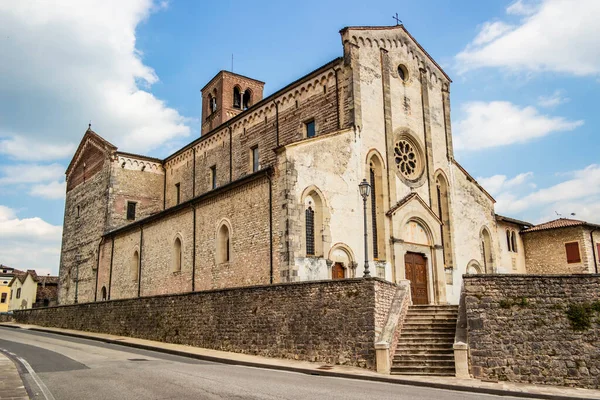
(572, 252)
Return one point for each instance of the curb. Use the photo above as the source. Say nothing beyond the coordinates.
(383, 378)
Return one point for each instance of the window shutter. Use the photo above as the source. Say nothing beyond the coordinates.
(572, 252)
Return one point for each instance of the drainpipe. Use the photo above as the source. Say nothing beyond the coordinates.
(594, 249)
(194, 250)
(112, 252)
(140, 261)
(97, 269)
(270, 227)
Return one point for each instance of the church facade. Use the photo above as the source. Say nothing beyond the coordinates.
(269, 192)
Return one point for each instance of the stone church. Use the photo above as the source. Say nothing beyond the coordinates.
(269, 192)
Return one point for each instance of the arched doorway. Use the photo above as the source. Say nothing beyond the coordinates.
(417, 241)
(338, 271)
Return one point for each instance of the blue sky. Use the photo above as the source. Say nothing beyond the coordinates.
(525, 88)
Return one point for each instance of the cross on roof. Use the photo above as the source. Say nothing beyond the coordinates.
(398, 21)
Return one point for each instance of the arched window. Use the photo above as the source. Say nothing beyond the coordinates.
(314, 229)
(486, 251)
(473, 267)
(135, 265)
(176, 255)
(444, 215)
(213, 101)
(513, 240)
(247, 100)
(223, 244)
(237, 97)
(103, 293)
(376, 208)
(309, 215)
(508, 241)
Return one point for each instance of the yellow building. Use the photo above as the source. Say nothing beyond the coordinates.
(6, 275)
(23, 291)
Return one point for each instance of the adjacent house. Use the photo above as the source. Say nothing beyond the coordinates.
(47, 291)
(23, 290)
(6, 275)
(562, 246)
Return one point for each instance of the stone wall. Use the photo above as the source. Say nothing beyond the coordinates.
(545, 251)
(324, 321)
(518, 329)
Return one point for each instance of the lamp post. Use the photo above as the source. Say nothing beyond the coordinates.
(76, 277)
(365, 190)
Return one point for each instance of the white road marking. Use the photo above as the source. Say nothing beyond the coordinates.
(34, 376)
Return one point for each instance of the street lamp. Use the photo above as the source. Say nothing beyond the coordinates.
(365, 190)
(76, 277)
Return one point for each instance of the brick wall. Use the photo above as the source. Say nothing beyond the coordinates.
(518, 329)
(324, 321)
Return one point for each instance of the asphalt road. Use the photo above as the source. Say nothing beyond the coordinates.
(80, 369)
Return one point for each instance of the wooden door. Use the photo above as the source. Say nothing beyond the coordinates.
(338, 271)
(416, 273)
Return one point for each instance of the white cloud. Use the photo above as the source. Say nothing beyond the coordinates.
(65, 62)
(499, 123)
(29, 243)
(579, 194)
(490, 31)
(53, 190)
(498, 183)
(21, 148)
(521, 7)
(30, 173)
(553, 100)
(555, 35)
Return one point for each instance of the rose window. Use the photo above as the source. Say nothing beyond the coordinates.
(406, 159)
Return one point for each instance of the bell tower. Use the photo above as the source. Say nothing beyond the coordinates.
(227, 95)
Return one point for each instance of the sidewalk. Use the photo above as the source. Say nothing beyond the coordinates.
(440, 382)
(11, 385)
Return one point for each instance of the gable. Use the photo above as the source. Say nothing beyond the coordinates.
(412, 198)
(92, 153)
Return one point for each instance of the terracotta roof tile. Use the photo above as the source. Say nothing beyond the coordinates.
(559, 223)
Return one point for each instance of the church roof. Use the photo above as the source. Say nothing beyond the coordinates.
(401, 26)
(513, 221)
(89, 135)
(559, 223)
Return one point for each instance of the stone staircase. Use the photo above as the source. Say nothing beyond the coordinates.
(426, 340)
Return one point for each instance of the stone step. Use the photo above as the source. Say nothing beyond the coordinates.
(433, 323)
(432, 315)
(436, 318)
(425, 372)
(419, 344)
(430, 334)
(427, 358)
(434, 308)
(428, 328)
(423, 363)
(427, 351)
(440, 306)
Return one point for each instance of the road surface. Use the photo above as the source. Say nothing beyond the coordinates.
(68, 368)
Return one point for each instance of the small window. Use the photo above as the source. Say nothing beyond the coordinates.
(237, 98)
(513, 240)
(103, 293)
(77, 211)
(572, 252)
(309, 215)
(18, 293)
(402, 72)
(177, 255)
(254, 155)
(178, 193)
(508, 242)
(135, 266)
(310, 129)
(3, 299)
(223, 244)
(213, 176)
(131, 210)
